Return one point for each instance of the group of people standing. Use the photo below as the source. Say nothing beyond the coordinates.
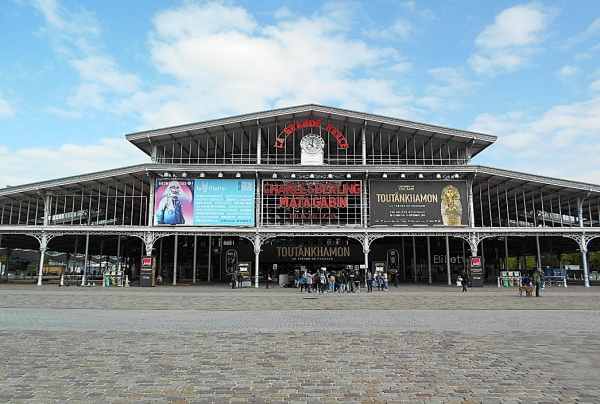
(348, 281)
(381, 280)
(237, 279)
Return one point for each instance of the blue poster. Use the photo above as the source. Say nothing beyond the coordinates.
(224, 202)
(218, 202)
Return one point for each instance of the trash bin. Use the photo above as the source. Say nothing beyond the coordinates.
(106, 281)
(505, 282)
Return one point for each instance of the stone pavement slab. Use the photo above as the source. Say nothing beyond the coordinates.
(203, 344)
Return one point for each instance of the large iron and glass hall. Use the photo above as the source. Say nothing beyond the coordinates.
(303, 187)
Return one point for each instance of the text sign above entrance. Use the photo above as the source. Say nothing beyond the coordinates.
(313, 253)
(418, 203)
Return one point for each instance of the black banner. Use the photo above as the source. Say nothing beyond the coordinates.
(313, 253)
(418, 203)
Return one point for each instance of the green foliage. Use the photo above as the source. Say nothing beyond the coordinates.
(553, 261)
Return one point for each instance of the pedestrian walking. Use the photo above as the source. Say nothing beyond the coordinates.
(303, 281)
(464, 281)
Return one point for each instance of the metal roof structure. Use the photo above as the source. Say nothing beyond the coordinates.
(117, 204)
(423, 142)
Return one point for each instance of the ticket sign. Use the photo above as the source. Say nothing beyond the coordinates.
(476, 271)
(476, 262)
(211, 202)
(147, 271)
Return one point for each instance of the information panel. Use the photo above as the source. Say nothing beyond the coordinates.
(147, 271)
(418, 203)
(476, 270)
(211, 202)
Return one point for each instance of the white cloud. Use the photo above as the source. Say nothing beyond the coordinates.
(512, 40)
(104, 71)
(69, 114)
(195, 21)
(283, 12)
(71, 33)
(6, 110)
(75, 36)
(100, 75)
(221, 61)
(401, 29)
(449, 81)
(592, 30)
(568, 72)
(446, 90)
(34, 164)
(554, 144)
(433, 103)
(224, 62)
(409, 5)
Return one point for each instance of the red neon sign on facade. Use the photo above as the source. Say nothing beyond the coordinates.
(311, 123)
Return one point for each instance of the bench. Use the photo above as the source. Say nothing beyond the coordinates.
(556, 281)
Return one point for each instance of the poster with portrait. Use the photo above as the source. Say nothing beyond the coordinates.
(174, 203)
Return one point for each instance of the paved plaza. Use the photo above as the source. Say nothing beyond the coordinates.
(209, 343)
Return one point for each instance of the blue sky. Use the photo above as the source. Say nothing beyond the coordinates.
(75, 77)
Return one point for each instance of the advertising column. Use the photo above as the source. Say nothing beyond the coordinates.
(147, 271)
(476, 270)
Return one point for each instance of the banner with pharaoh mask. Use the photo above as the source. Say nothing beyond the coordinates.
(418, 203)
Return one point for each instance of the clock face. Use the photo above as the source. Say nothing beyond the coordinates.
(312, 144)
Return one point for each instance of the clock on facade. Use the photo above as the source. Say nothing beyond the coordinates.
(312, 144)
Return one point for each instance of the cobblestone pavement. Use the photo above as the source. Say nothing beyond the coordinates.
(208, 343)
